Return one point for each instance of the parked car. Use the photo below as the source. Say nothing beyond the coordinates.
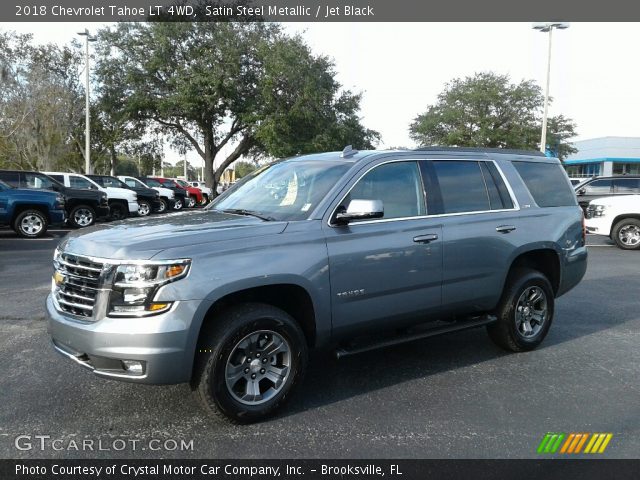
(180, 193)
(83, 207)
(122, 201)
(166, 196)
(207, 193)
(193, 195)
(616, 217)
(364, 250)
(30, 212)
(575, 181)
(148, 199)
(599, 187)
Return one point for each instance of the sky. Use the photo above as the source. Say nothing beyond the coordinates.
(401, 67)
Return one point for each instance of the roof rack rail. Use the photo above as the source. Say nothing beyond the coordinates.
(535, 153)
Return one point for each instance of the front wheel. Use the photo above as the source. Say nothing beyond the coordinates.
(205, 200)
(178, 204)
(525, 311)
(163, 206)
(144, 208)
(248, 362)
(30, 224)
(191, 202)
(626, 234)
(82, 216)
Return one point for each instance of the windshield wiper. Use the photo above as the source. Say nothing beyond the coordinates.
(249, 213)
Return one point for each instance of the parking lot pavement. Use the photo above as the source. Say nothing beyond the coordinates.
(455, 396)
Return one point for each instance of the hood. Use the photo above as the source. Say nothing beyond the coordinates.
(624, 201)
(83, 193)
(141, 239)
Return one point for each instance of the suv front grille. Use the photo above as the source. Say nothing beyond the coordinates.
(589, 212)
(77, 284)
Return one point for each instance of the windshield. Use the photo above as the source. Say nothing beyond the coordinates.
(4, 186)
(182, 183)
(108, 181)
(287, 190)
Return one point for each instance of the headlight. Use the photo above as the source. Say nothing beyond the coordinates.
(597, 210)
(59, 202)
(136, 285)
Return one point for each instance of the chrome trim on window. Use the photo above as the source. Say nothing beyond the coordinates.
(516, 205)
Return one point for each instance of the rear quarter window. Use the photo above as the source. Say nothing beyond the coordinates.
(547, 183)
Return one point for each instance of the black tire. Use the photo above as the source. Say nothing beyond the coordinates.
(144, 208)
(507, 331)
(178, 204)
(205, 200)
(221, 339)
(625, 234)
(163, 207)
(31, 224)
(82, 216)
(117, 211)
(191, 201)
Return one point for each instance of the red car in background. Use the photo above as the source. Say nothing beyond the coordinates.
(194, 195)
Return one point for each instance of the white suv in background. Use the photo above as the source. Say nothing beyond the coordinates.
(122, 202)
(167, 196)
(617, 218)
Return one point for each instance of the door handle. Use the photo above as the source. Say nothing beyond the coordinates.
(430, 237)
(505, 228)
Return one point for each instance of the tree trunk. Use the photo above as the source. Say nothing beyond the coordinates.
(114, 160)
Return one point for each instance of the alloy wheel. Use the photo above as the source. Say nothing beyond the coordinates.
(83, 217)
(258, 367)
(629, 235)
(31, 225)
(531, 311)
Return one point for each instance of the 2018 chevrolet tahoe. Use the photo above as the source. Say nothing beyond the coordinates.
(349, 251)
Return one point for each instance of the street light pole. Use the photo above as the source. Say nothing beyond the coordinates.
(87, 132)
(547, 28)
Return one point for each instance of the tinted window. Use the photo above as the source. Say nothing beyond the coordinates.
(462, 186)
(59, 178)
(36, 180)
(152, 183)
(132, 183)
(598, 187)
(626, 185)
(79, 182)
(547, 183)
(498, 182)
(12, 178)
(397, 184)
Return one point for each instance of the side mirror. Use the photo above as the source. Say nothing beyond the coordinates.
(360, 210)
(582, 191)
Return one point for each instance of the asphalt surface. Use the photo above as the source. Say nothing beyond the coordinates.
(456, 396)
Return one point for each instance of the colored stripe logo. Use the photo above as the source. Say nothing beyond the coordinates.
(569, 443)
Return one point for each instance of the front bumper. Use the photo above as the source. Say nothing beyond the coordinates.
(57, 217)
(160, 343)
(598, 226)
(133, 208)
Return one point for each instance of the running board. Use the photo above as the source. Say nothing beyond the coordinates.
(410, 337)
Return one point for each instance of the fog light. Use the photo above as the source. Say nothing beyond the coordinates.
(132, 366)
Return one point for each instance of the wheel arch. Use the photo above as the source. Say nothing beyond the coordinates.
(543, 258)
(620, 217)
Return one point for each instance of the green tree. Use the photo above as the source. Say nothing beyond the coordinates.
(488, 110)
(207, 85)
(244, 168)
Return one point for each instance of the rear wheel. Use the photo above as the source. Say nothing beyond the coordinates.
(82, 216)
(144, 208)
(626, 234)
(525, 311)
(249, 360)
(30, 224)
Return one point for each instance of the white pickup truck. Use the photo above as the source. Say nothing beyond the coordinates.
(617, 218)
(122, 202)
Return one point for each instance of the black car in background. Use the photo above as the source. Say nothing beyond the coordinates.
(83, 207)
(181, 194)
(148, 198)
(599, 187)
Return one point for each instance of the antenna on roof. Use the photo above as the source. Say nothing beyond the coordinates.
(348, 152)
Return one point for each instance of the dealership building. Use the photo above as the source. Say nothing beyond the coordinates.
(605, 156)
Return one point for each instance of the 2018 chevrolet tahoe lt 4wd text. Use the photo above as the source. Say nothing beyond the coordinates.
(348, 251)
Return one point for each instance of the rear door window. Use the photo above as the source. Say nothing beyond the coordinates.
(12, 178)
(598, 187)
(462, 186)
(79, 182)
(626, 185)
(547, 183)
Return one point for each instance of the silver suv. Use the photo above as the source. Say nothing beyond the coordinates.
(344, 251)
